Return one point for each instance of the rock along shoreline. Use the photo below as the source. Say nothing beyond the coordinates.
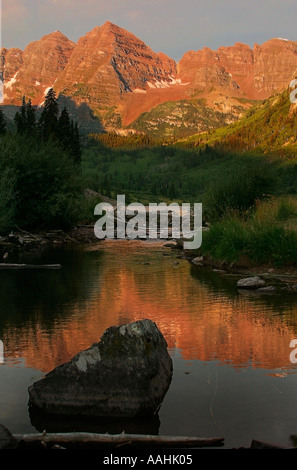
(19, 241)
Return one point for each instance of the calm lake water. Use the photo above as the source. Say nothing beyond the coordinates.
(232, 375)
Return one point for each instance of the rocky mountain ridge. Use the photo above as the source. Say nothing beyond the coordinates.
(118, 77)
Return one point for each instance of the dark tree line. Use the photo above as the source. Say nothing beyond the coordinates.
(25, 119)
(41, 184)
(2, 123)
(52, 125)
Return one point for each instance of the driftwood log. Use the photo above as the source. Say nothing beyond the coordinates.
(266, 445)
(94, 440)
(29, 266)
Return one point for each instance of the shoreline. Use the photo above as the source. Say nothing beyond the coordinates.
(20, 242)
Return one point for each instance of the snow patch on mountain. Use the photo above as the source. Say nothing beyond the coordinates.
(138, 90)
(166, 84)
(11, 82)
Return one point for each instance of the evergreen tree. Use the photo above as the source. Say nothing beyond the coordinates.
(50, 126)
(18, 122)
(172, 191)
(2, 123)
(76, 150)
(20, 118)
(69, 136)
(49, 117)
(23, 111)
(30, 119)
(64, 130)
(24, 119)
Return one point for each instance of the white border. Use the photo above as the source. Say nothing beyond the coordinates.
(1, 352)
(1, 78)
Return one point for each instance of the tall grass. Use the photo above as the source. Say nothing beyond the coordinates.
(268, 236)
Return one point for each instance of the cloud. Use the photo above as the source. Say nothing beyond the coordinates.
(14, 18)
(134, 14)
(12, 9)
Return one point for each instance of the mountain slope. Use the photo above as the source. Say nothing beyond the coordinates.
(32, 71)
(178, 119)
(270, 126)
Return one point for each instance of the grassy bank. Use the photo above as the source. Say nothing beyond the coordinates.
(266, 235)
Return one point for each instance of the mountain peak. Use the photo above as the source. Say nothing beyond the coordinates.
(56, 35)
(108, 25)
(103, 32)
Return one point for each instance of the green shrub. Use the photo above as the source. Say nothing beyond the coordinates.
(47, 190)
(240, 190)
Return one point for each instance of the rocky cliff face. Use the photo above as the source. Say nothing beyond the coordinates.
(34, 70)
(119, 77)
(203, 69)
(255, 73)
(274, 65)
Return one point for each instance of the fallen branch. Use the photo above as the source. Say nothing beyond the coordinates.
(28, 233)
(82, 439)
(29, 266)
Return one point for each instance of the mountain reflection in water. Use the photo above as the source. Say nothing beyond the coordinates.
(47, 317)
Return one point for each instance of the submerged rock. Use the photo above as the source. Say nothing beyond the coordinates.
(254, 282)
(126, 374)
(198, 261)
(267, 290)
(290, 288)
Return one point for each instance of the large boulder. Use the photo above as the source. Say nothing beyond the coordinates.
(253, 282)
(126, 374)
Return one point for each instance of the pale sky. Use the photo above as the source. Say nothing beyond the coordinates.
(170, 26)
